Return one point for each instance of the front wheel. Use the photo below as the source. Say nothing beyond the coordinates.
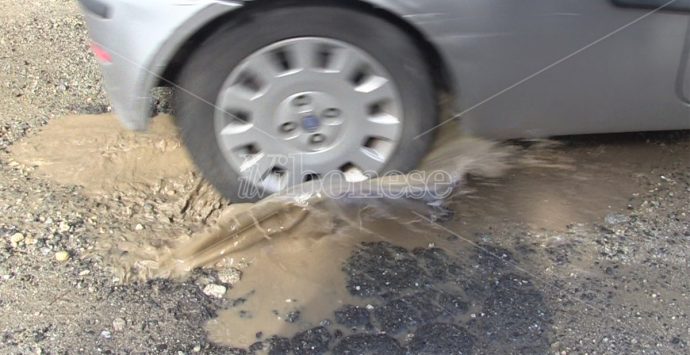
(293, 94)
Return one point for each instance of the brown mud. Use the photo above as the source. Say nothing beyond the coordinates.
(98, 153)
(109, 162)
(322, 273)
(292, 247)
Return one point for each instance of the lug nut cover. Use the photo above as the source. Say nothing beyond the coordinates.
(317, 138)
(288, 127)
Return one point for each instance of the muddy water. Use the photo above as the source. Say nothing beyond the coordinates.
(583, 187)
(296, 282)
(311, 263)
(292, 262)
(98, 153)
(293, 247)
(292, 257)
(557, 185)
(297, 278)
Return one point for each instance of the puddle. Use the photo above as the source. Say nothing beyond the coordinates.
(98, 153)
(336, 260)
(582, 189)
(357, 275)
(293, 284)
(559, 185)
(293, 250)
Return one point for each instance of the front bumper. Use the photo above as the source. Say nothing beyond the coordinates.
(140, 38)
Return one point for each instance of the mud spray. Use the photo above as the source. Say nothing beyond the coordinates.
(292, 248)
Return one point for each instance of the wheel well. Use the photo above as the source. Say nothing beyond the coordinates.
(438, 69)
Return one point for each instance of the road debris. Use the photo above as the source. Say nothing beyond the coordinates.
(213, 290)
(62, 256)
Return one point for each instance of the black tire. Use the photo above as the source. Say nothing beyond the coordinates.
(208, 67)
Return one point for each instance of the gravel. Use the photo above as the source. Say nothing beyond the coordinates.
(56, 293)
(217, 291)
(62, 256)
(47, 70)
(119, 324)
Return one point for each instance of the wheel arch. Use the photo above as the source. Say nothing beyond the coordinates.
(438, 67)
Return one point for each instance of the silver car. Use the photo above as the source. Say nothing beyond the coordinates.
(272, 93)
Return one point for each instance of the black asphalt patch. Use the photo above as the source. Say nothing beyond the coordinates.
(421, 302)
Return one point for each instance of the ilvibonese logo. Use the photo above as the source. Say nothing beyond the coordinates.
(289, 176)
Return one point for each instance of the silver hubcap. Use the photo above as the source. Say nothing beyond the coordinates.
(305, 107)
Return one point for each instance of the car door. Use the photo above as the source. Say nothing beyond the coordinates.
(537, 68)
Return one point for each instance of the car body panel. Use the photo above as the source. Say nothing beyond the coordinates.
(625, 82)
(531, 68)
(142, 37)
